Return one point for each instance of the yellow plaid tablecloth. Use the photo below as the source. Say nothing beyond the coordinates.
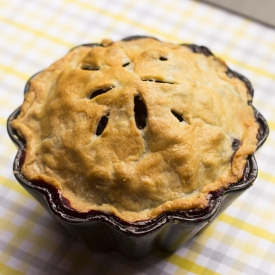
(37, 32)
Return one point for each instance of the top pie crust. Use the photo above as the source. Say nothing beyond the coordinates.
(196, 133)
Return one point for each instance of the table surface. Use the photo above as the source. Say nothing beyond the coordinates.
(37, 32)
(262, 11)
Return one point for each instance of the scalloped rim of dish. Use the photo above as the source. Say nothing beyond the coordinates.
(55, 200)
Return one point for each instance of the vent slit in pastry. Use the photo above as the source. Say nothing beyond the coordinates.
(178, 116)
(89, 67)
(100, 91)
(157, 80)
(140, 112)
(102, 125)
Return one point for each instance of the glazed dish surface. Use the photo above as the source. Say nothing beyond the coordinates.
(137, 127)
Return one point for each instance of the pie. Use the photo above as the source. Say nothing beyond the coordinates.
(137, 127)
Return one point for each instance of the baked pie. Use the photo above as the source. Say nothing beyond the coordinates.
(137, 128)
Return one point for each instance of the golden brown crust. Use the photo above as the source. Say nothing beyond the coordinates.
(136, 173)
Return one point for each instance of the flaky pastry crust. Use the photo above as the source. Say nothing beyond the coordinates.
(136, 128)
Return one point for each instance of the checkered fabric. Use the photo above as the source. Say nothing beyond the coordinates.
(34, 34)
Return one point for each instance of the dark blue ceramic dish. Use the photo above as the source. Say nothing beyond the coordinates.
(105, 232)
